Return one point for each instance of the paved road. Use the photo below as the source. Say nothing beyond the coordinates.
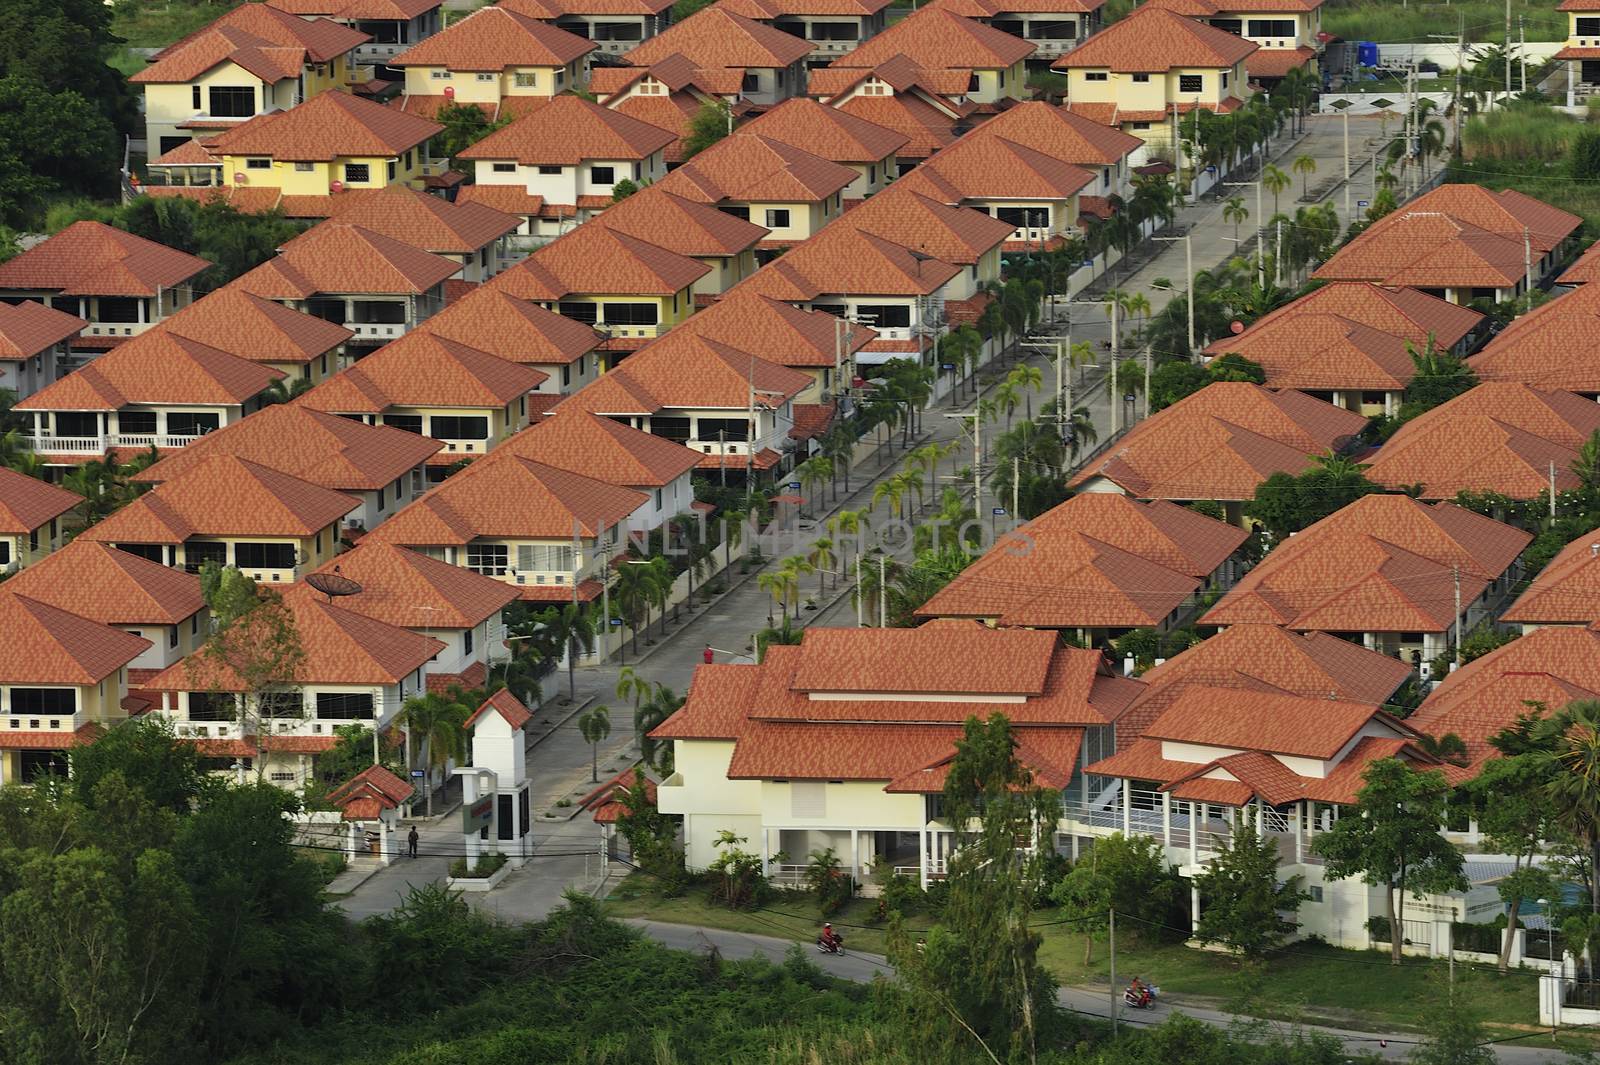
(1094, 1003)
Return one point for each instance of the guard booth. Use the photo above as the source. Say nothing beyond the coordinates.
(494, 796)
(369, 803)
(605, 803)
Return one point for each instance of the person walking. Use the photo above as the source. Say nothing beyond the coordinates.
(411, 842)
(709, 656)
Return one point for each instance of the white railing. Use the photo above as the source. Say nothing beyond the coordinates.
(376, 330)
(95, 445)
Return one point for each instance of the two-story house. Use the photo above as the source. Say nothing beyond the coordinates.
(1581, 54)
(138, 596)
(936, 39)
(119, 283)
(547, 532)
(669, 94)
(423, 383)
(391, 26)
(332, 142)
(613, 25)
(1053, 27)
(1288, 33)
(253, 60)
(62, 680)
(928, 107)
(831, 27)
(354, 670)
(299, 346)
(837, 136)
(519, 331)
(471, 234)
(632, 291)
(455, 606)
(816, 343)
(158, 390)
(375, 286)
(723, 240)
(30, 518)
(565, 162)
(735, 409)
(34, 344)
(1142, 71)
(789, 191)
(759, 63)
(273, 526)
(383, 467)
(1104, 151)
(496, 59)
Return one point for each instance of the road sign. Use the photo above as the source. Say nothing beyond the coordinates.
(1362, 203)
(1086, 263)
(947, 366)
(794, 486)
(479, 815)
(998, 512)
(417, 773)
(616, 623)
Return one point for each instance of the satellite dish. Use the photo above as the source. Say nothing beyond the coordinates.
(333, 584)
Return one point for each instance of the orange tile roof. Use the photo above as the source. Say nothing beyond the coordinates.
(674, 112)
(599, 447)
(1152, 40)
(1260, 657)
(846, 260)
(685, 226)
(510, 497)
(324, 449)
(1269, 722)
(1587, 266)
(983, 165)
(156, 367)
(688, 371)
(336, 257)
(901, 73)
(568, 130)
(828, 132)
(1099, 559)
(357, 10)
(1324, 351)
(750, 168)
(99, 582)
(604, 802)
(927, 128)
(374, 789)
(257, 329)
(512, 329)
(1555, 345)
(494, 39)
(268, 43)
(49, 741)
(411, 590)
(508, 199)
(767, 10)
(778, 332)
(908, 218)
(1277, 62)
(225, 496)
(1399, 312)
(341, 647)
(715, 37)
(938, 658)
(431, 223)
(1059, 133)
(594, 260)
(1497, 437)
(937, 39)
(189, 153)
(47, 645)
(989, 9)
(1223, 441)
(93, 259)
(328, 126)
(508, 706)
(27, 328)
(27, 503)
(1382, 564)
(1567, 590)
(423, 370)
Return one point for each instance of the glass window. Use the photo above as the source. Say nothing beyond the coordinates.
(411, 423)
(350, 705)
(1141, 79)
(487, 559)
(192, 423)
(603, 175)
(1094, 75)
(451, 427)
(751, 82)
(60, 702)
(129, 421)
(198, 552)
(304, 168)
(1588, 27)
(504, 168)
(195, 100)
(579, 311)
(1271, 27)
(527, 81)
(891, 316)
(5, 551)
(232, 101)
(1191, 82)
(544, 557)
(258, 164)
(438, 74)
(632, 313)
(466, 641)
(357, 173)
(149, 551)
(391, 169)
(549, 170)
(264, 556)
(212, 706)
(736, 211)
(778, 218)
(485, 77)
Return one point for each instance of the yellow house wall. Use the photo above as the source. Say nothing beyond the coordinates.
(994, 84)
(499, 425)
(470, 88)
(284, 174)
(726, 271)
(708, 800)
(804, 218)
(670, 310)
(850, 804)
(307, 549)
(334, 75)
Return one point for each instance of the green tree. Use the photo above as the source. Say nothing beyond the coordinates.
(1438, 378)
(595, 725)
(1236, 212)
(1570, 744)
(709, 125)
(1128, 874)
(1454, 1035)
(1305, 166)
(661, 704)
(1242, 901)
(464, 125)
(1285, 504)
(1274, 181)
(1583, 156)
(438, 724)
(1391, 839)
(145, 754)
(623, 189)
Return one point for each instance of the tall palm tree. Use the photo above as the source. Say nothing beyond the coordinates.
(633, 596)
(440, 723)
(1274, 180)
(594, 725)
(776, 584)
(1236, 212)
(1006, 396)
(848, 523)
(792, 569)
(659, 571)
(1138, 307)
(572, 627)
(814, 472)
(961, 347)
(661, 704)
(839, 445)
(823, 559)
(1305, 166)
(630, 685)
(893, 489)
(1031, 378)
(1572, 738)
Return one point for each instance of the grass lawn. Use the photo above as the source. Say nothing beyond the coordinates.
(1310, 982)
(157, 23)
(1385, 20)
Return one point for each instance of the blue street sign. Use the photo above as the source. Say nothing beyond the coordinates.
(947, 366)
(998, 512)
(417, 773)
(1087, 262)
(1362, 203)
(794, 486)
(616, 623)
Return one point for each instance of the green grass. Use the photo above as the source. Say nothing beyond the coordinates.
(1308, 982)
(1522, 133)
(157, 23)
(1386, 20)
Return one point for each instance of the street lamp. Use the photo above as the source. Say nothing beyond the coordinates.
(1127, 403)
(1549, 930)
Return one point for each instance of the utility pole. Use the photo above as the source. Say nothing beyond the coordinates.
(1116, 399)
(1016, 480)
(977, 456)
(604, 550)
(1277, 257)
(1114, 1002)
(883, 591)
(1347, 216)
(1522, 53)
(1261, 250)
(1455, 572)
(859, 587)
(1149, 365)
(1552, 489)
(1188, 277)
(1177, 152)
(1527, 263)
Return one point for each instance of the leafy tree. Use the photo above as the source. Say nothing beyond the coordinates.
(1439, 378)
(623, 189)
(661, 704)
(828, 881)
(709, 125)
(595, 725)
(1241, 900)
(1569, 742)
(740, 881)
(1454, 1035)
(467, 951)
(1285, 504)
(146, 756)
(464, 125)
(52, 143)
(652, 837)
(1175, 379)
(438, 724)
(1391, 839)
(1128, 874)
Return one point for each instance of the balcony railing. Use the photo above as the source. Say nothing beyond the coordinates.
(96, 445)
(377, 330)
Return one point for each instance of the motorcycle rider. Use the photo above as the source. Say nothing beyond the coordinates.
(830, 940)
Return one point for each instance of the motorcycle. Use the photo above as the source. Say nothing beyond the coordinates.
(1145, 1001)
(835, 947)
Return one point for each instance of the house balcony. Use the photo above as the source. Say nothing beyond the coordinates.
(375, 52)
(1052, 47)
(832, 48)
(377, 330)
(99, 445)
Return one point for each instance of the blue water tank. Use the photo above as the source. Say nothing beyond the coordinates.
(1367, 53)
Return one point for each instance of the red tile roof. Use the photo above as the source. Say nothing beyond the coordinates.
(27, 503)
(828, 132)
(990, 9)
(156, 367)
(685, 371)
(551, 9)
(986, 165)
(1097, 560)
(93, 259)
(494, 39)
(1555, 345)
(257, 329)
(715, 37)
(747, 168)
(943, 86)
(268, 43)
(508, 199)
(1154, 40)
(938, 658)
(1277, 62)
(225, 496)
(595, 260)
(411, 590)
(1223, 441)
(1269, 722)
(604, 801)
(778, 332)
(49, 741)
(512, 329)
(423, 370)
(1061, 134)
(357, 10)
(568, 130)
(1400, 312)
(508, 706)
(112, 587)
(927, 128)
(1566, 591)
(28, 328)
(328, 126)
(1497, 437)
(370, 791)
(937, 39)
(47, 645)
(685, 226)
(1382, 564)
(604, 449)
(336, 258)
(1587, 266)
(431, 223)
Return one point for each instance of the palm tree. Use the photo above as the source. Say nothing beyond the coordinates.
(1572, 738)
(925, 459)
(823, 560)
(662, 704)
(839, 445)
(1305, 166)
(595, 726)
(439, 722)
(630, 685)
(520, 674)
(1587, 465)
(792, 569)
(96, 481)
(961, 347)
(1027, 376)
(1137, 305)
(1006, 398)
(1235, 211)
(775, 584)
(848, 523)
(283, 390)
(1115, 300)
(1274, 180)
(893, 489)
(659, 571)
(633, 595)
(813, 473)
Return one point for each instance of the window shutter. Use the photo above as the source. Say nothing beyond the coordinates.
(808, 798)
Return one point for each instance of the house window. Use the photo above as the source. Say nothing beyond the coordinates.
(258, 164)
(579, 311)
(353, 705)
(658, 499)
(1190, 82)
(736, 211)
(1141, 79)
(1141, 125)
(192, 423)
(1095, 75)
(1588, 27)
(128, 421)
(391, 169)
(264, 556)
(172, 636)
(5, 552)
(305, 168)
(808, 798)
(232, 102)
(891, 315)
(485, 77)
(603, 175)
(533, 558)
(1270, 27)
(778, 218)
(33, 540)
(466, 642)
(212, 706)
(527, 81)
(751, 82)
(357, 173)
(411, 423)
(57, 702)
(632, 313)
(549, 170)
(487, 559)
(566, 375)
(438, 75)
(195, 96)
(503, 168)
(382, 502)
(451, 427)
(1224, 79)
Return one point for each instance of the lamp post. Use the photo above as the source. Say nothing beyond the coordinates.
(1549, 930)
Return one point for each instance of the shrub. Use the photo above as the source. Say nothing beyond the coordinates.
(827, 878)
(488, 865)
(902, 894)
